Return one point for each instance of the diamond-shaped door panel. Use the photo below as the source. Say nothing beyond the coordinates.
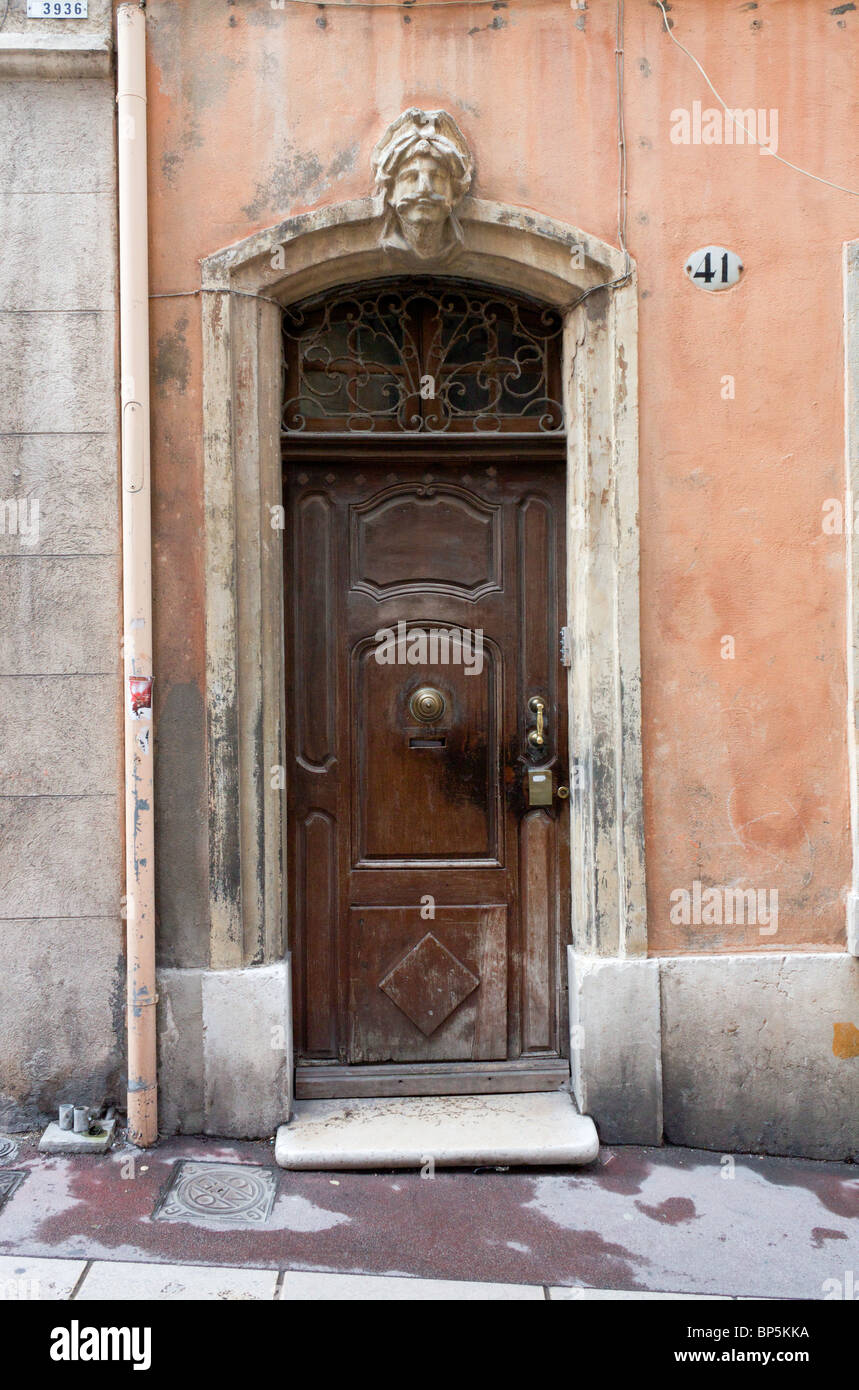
(428, 984)
(427, 989)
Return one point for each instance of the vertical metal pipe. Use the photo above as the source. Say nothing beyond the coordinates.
(136, 574)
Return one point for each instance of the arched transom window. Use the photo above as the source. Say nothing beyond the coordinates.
(422, 357)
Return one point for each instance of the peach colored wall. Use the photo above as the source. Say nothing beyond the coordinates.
(257, 113)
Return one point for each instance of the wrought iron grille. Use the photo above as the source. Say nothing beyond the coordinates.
(422, 357)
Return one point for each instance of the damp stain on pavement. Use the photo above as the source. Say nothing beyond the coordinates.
(670, 1212)
(639, 1219)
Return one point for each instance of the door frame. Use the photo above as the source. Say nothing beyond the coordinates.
(244, 287)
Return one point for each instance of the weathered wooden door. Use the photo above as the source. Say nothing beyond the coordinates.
(429, 896)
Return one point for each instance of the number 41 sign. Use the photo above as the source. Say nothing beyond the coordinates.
(714, 268)
(57, 9)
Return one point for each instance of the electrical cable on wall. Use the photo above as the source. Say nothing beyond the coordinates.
(729, 112)
(209, 289)
(393, 4)
(622, 190)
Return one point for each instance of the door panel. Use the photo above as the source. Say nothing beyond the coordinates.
(425, 793)
(426, 896)
(428, 990)
(413, 539)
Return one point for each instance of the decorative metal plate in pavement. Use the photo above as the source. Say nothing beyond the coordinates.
(8, 1150)
(10, 1181)
(219, 1192)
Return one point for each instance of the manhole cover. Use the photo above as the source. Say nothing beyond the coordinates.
(8, 1150)
(10, 1181)
(219, 1192)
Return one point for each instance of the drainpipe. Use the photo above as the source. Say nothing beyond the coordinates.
(136, 574)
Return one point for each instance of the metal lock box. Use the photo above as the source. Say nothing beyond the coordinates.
(539, 788)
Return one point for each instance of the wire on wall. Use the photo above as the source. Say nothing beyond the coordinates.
(731, 114)
(210, 289)
(393, 4)
(622, 189)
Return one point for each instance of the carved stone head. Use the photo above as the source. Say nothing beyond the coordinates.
(423, 168)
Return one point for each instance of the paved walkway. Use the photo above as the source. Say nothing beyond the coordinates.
(84, 1280)
(163, 1224)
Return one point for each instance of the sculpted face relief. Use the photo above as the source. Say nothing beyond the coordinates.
(423, 168)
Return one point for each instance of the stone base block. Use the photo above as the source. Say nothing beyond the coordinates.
(615, 1046)
(224, 1047)
(761, 1053)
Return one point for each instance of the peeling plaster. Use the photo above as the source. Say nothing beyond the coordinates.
(297, 177)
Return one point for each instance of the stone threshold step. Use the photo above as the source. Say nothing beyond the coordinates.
(533, 1128)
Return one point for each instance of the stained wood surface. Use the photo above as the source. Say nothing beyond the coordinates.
(425, 897)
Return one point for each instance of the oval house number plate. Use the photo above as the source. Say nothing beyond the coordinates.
(714, 268)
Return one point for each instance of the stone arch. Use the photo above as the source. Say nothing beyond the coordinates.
(244, 287)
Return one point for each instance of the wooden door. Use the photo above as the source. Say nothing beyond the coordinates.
(428, 897)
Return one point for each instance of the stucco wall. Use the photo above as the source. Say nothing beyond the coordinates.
(257, 113)
(61, 949)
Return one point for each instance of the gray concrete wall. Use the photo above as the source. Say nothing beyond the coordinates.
(61, 937)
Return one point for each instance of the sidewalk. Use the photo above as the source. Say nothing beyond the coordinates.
(165, 1224)
(84, 1280)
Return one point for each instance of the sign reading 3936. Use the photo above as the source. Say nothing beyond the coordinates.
(57, 9)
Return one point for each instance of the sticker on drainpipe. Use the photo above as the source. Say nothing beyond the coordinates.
(714, 268)
(140, 697)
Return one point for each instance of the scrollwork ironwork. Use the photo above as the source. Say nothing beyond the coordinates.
(422, 357)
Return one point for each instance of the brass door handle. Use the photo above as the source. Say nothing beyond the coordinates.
(536, 736)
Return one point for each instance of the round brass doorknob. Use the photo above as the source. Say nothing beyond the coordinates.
(563, 793)
(427, 704)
